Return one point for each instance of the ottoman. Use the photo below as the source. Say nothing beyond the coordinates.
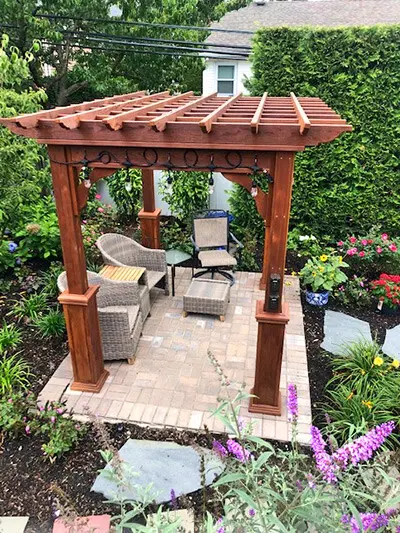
(207, 296)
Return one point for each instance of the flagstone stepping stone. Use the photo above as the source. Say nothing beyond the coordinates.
(13, 524)
(84, 524)
(391, 346)
(165, 465)
(341, 330)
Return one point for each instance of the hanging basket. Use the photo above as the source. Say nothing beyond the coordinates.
(319, 299)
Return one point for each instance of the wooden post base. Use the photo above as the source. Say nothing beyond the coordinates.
(84, 340)
(271, 334)
(150, 225)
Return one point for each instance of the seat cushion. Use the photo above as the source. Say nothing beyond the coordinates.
(216, 258)
(153, 277)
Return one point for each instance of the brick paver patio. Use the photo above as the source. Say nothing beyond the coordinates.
(172, 382)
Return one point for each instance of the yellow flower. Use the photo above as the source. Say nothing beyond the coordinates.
(321, 269)
(350, 396)
(324, 258)
(340, 259)
(314, 274)
(378, 361)
(367, 404)
(294, 273)
(362, 372)
(395, 363)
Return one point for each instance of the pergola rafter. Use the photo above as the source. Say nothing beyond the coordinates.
(240, 136)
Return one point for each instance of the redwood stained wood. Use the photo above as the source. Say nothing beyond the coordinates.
(160, 123)
(206, 123)
(115, 123)
(255, 121)
(72, 121)
(305, 123)
(149, 202)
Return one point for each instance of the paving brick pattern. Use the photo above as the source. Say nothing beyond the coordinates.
(173, 383)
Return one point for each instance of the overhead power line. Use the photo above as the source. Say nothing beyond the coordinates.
(155, 39)
(144, 24)
(122, 50)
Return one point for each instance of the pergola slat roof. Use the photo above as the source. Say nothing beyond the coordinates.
(264, 121)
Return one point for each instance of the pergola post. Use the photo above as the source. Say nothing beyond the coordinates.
(272, 314)
(149, 216)
(79, 301)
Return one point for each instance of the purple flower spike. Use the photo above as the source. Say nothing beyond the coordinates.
(369, 521)
(252, 513)
(221, 528)
(174, 503)
(238, 451)
(292, 403)
(323, 460)
(219, 449)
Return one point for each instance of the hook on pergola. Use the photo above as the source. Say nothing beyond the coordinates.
(238, 136)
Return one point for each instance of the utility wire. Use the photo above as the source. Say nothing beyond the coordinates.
(122, 50)
(155, 39)
(180, 48)
(144, 24)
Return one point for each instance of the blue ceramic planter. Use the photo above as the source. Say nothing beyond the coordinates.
(317, 298)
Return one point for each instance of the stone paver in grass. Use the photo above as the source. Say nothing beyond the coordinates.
(341, 330)
(391, 346)
(165, 465)
(13, 524)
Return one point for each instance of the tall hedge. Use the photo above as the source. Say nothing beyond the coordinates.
(352, 183)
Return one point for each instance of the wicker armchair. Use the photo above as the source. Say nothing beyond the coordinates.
(119, 250)
(120, 316)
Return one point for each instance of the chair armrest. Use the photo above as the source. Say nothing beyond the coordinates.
(194, 243)
(114, 321)
(117, 293)
(152, 260)
(234, 239)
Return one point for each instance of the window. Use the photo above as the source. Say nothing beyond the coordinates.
(226, 80)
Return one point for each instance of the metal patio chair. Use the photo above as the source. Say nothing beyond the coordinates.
(211, 238)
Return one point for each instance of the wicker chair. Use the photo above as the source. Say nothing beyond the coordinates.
(119, 250)
(211, 238)
(120, 316)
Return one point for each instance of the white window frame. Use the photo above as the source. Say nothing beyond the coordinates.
(234, 79)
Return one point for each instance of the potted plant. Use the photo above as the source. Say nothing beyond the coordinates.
(321, 275)
(387, 289)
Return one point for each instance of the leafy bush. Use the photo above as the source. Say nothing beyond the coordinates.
(248, 256)
(52, 324)
(247, 221)
(173, 235)
(128, 202)
(8, 256)
(355, 292)
(40, 237)
(15, 411)
(364, 391)
(323, 273)
(304, 245)
(48, 280)
(30, 307)
(10, 337)
(351, 183)
(14, 374)
(372, 253)
(187, 195)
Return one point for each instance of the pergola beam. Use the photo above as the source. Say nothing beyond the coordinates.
(302, 117)
(255, 121)
(206, 123)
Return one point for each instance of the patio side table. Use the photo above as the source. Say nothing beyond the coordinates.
(207, 296)
(175, 257)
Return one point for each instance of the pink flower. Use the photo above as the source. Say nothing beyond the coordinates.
(10, 400)
(361, 254)
(379, 250)
(59, 410)
(84, 221)
(98, 196)
(100, 210)
(392, 247)
(364, 242)
(27, 430)
(384, 236)
(352, 251)
(340, 243)
(352, 240)
(52, 419)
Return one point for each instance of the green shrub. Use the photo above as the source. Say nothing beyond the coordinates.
(355, 293)
(351, 183)
(30, 306)
(175, 236)
(323, 273)
(248, 256)
(364, 390)
(15, 412)
(247, 221)
(14, 374)
(187, 195)
(10, 337)
(52, 324)
(128, 202)
(48, 280)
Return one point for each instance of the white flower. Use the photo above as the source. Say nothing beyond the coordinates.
(304, 238)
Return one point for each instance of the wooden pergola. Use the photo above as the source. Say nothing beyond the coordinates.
(240, 137)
